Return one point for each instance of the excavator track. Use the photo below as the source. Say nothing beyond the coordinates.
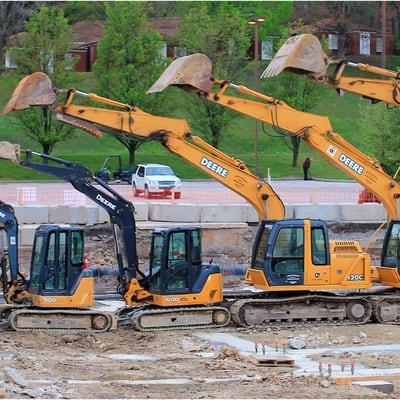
(150, 319)
(301, 310)
(61, 320)
(386, 309)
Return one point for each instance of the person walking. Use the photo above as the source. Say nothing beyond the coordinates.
(306, 167)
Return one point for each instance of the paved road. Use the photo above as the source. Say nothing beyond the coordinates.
(291, 191)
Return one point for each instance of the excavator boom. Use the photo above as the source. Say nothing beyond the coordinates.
(303, 54)
(174, 134)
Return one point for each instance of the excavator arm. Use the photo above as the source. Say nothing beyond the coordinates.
(315, 130)
(12, 280)
(303, 54)
(120, 210)
(173, 134)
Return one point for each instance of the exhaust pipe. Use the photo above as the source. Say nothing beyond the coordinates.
(33, 90)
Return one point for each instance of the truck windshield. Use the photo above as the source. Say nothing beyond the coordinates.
(159, 171)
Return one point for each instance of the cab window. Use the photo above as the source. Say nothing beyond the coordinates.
(141, 172)
(196, 248)
(36, 263)
(262, 246)
(318, 248)
(50, 282)
(391, 253)
(288, 254)
(177, 249)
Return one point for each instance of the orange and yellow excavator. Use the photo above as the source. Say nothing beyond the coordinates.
(293, 260)
(272, 268)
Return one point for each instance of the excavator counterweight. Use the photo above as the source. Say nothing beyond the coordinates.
(192, 73)
(302, 54)
(34, 90)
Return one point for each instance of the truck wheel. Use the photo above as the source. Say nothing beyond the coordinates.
(134, 190)
(147, 193)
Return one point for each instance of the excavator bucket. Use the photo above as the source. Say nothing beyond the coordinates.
(9, 151)
(191, 73)
(33, 90)
(302, 54)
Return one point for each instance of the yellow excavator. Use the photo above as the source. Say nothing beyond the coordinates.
(293, 260)
(193, 73)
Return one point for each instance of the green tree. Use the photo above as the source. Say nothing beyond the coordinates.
(129, 62)
(380, 128)
(223, 35)
(84, 10)
(43, 47)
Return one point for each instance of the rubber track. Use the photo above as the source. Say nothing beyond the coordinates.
(14, 315)
(139, 313)
(237, 314)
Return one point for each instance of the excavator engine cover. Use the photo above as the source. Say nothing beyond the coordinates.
(9, 151)
(33, 90)
(302, 54)
(192, 73)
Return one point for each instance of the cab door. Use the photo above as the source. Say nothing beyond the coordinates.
(285, 256)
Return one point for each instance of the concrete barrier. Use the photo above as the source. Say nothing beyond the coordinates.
(141, 211)
(174, 212)
(91, 215)
(223, 213)
(368, 212)
(327, 212)
(102, 215)
(67, 215)
(32, 214)
(27, 234)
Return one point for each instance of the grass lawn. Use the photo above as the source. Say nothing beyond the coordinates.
(237, 142)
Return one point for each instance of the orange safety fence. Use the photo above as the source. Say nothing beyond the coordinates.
(64, 194)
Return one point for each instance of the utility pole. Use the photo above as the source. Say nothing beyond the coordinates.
(256, 22)
(383, 35)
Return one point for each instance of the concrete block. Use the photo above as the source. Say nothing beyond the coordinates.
(251, 214)
(174, 212)
(102, 216)
(32, 214)
(67, 214)
(368, 212)
(289, 213)
(327, 212)
(92, 214)
(380, 386)
(27, 234)
(223, 213)
(141, 211)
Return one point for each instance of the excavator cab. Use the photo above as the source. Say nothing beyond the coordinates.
(389, 271)
(176, 274)
(58, 277)
(297, 255)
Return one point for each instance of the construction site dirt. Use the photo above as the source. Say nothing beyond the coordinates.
(200, 363)
(179, 364)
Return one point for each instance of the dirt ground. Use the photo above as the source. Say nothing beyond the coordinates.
(62, 357)
(129, 364)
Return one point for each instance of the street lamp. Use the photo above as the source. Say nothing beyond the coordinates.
(256, 21)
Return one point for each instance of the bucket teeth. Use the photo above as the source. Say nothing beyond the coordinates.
(191, 73)
(33, 90)
(302, 54)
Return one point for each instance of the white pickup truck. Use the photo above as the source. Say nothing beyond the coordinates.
(155, 180)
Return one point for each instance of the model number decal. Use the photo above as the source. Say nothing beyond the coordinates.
(356, 277)
(49, 300)
(205, 162)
